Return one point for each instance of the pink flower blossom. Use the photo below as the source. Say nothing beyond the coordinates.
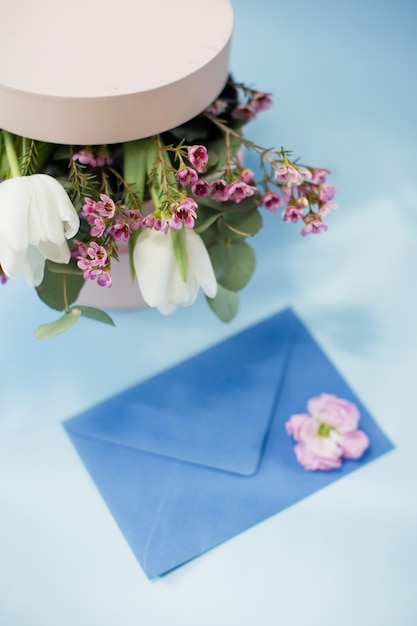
(200, 188)
(198, 157)
(314, 227)
(217, 107)
(247, 176)
(103, 157)
(271, 200)
(288, 174)
(97, 224)
(239, 191)
(326, 193)
(105, 207)
(89, 207)
(261, 101)
(134, 219)
(120, 231)
(319, 176)
(219, 190)
(244, 112)
(186, 176)
(328, 435)
(325, 208)
(79, 249)
(293, 213)
(183, 213)
(85, 157)
(97, 254)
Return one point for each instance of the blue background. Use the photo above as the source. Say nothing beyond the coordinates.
(343, 77)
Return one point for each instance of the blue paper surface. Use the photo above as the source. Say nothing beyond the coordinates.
(199, 453)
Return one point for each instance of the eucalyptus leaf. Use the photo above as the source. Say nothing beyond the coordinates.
(225, 305)
(233, 263)
(63, 268)
(54, 286)
(95, 314)
(202, 225)
(46, 331)
(237, 225)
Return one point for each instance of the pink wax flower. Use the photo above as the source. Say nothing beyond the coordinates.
(261, 101)
(244, 112)
(97, 254)
(271, 200)
(328, 434)
(239, 190)
(319, 176)
(198, 157)
(288, 174)
(327, 192)
(183, 213)
(105, 206)
(217, 107)
(314, 227)
(219, 190)
(200, 188)
(293, 213)
(325, 208)
(186, 175)
(85, 157)
(98, 226)
(120, 231)
(247, 176)
(134, 219)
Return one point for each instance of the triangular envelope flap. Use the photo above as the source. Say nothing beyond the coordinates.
(213, 409)
(171, 512)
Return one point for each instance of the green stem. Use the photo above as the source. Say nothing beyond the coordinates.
(64, 286)
(11, 154)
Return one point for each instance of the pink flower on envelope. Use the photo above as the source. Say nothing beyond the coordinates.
(328, 434)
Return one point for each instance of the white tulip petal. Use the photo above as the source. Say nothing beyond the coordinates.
(153, 257)
(10, 259)
(58, 253)
(33, 267)
(199, 263)
(14, 207)
(36, 219)
(179, 292)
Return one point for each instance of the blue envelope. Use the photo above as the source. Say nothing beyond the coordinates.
(197, 454)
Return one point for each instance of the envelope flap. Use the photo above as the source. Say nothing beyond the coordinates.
(213, 409)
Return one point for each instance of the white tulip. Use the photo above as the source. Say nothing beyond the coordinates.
(159, 277)
(36, 219)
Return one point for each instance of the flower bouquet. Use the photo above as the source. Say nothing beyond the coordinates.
(182, 201)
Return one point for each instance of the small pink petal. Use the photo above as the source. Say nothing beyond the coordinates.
(295, 424)
(354, 444)
(312, 461)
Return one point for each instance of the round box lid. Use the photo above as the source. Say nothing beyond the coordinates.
(85, 72)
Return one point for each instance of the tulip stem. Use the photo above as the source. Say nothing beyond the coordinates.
(64, 286)
(11, 154)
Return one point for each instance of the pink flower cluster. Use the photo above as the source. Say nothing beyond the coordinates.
(93, 156)
(258, 101)
(182, 210)
(301, 189)
(109, 225)
(328, 434)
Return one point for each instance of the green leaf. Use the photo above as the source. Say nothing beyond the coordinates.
(46, 331)
(69, 269)
(52, 288)
(180, 251)
(241, 224)
(135, 156)
(95, 314)
(233, 263)
(202, 225)
(225, 305)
